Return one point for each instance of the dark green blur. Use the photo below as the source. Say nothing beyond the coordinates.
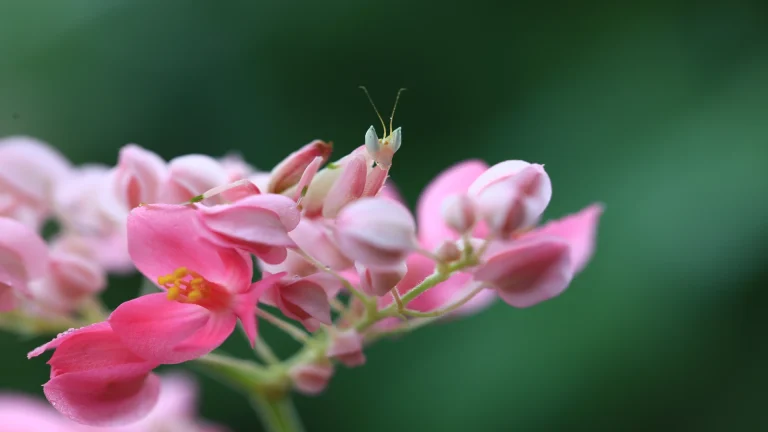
(659, 110)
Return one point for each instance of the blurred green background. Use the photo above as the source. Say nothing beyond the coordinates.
(658, 109)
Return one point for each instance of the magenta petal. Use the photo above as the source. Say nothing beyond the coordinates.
(169, 332)
(162, 238)
(454, 180)
(62, 337)
(107, 397)
(245, 304)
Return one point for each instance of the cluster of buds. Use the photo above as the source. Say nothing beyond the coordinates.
(325, 251)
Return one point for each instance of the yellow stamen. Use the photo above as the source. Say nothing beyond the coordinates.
(173, 293)
(180, 272)
(194, 296)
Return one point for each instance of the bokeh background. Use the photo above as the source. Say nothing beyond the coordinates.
(657, 109)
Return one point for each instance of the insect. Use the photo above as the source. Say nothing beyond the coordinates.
(383, 149)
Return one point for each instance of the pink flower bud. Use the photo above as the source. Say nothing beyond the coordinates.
(23, 258)
(349, 187)
(258, 224)
(448, 252)
(377, 232)
(316, 196)
(288, 172)
(309, 174)
(311, 379)
(459, 212)
(230, 192)
(527, 272)
(304, 300)
(380, 282)
(511, 203)
(314, 238)
(138, 177)
(190, 176)
(347, 347)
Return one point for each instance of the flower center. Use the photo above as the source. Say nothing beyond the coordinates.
(185, 286)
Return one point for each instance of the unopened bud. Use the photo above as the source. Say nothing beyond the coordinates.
(380, 282)
(377, 232)
(448, 252)
(288, 172)
(347, 347)
(459, 212)
(311, 379)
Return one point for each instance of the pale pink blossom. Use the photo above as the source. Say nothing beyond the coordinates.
(22, 413)
(96, 380)
(258, 224)
(347, 347)
(138, 176)
(459, 212)
(70, 279)
(207, 287)
(376, 232)
(29, 171)
(290, 170)
(190, 176)
(311, 378)
(23, 259)
(236, 168)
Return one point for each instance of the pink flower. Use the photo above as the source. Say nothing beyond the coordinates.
(235, 167)
(304, 299)
(190, 176)
(70, 279)
(288, 172)
(376, 232)
(311, 378)
(175, 410)
(96, 380)
(208, 287)
(258, 224)
(527, 272)
(138, 176)
(512, 195)
(347, 347)
(23, 259)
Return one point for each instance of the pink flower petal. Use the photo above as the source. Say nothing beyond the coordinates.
(255, 220)
(23, 255)
(169, 332)
(245, 304)
(306, 178)
(31, 168)
(103, 397)
(288, 172)
(305, 301)
(349, 187)
(62, 337)
(579, 230)
(527, 272)
(192, 175)
(163, 238)
(311, 379)
(454, 180)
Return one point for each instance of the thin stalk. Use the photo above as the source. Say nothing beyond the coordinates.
(285, 326)
(277, 414)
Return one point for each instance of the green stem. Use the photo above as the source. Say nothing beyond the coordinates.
(277, 413)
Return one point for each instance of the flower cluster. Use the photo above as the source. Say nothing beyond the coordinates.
(325, 251)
